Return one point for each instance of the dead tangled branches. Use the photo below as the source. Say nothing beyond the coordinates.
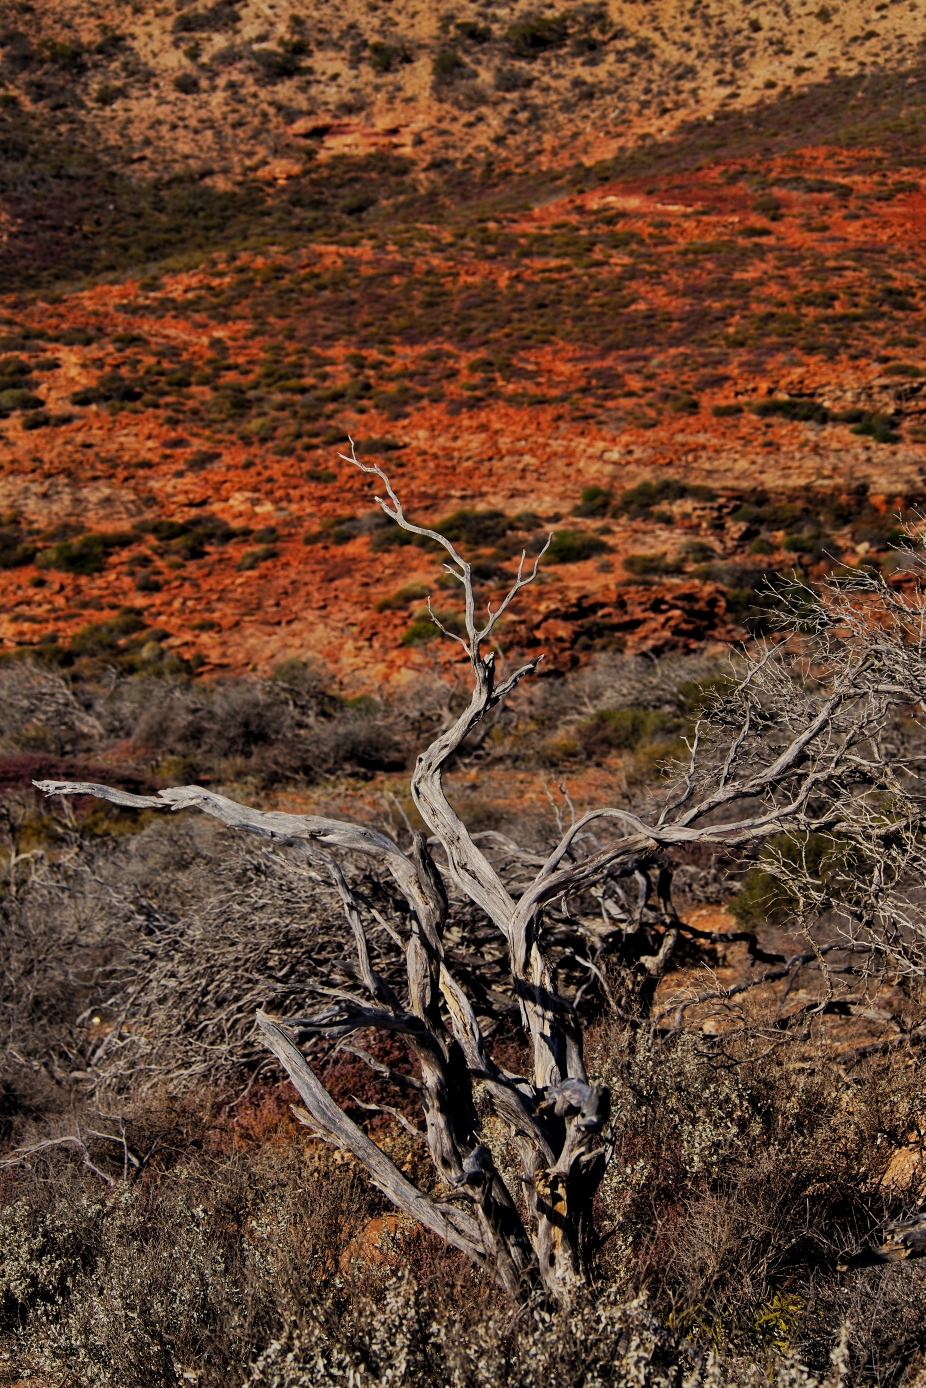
(800, 745)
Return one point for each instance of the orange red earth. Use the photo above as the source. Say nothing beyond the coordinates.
(105, 470)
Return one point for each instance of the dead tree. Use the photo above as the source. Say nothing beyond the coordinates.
(794, 744)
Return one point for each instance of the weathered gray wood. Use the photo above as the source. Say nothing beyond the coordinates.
(529, 1237)
(455, 1226)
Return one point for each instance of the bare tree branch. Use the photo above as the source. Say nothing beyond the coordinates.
(801, 750)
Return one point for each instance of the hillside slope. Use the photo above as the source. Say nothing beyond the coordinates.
(241, 85)
(697, 359)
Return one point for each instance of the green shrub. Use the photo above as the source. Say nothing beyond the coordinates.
(448, 66)
(789, 407)
(643, 564)
(764, 899)
(767, 205)
(37, 419)
(216, 18)
(383, 57)
(726, 411)
(424, 629)
(386, 444)
(475, 528)
(525, 520)
(14, 549)
(697, 696)
(640, 500)
(84, 556)
(750, 607)
(411, 592)
(252, 557)
(17, 399)
(473, 31)
(109, 93)
(68, 56)
(110, 386)
(187, 83)
(801, 543)
(874, 426)
(594, 501)
(392, 538)
(532, 36)
(99, 638)
(903, 368)
(699, 551)
(573, 546)
(13, 368)
(623, 728)
(276, 64)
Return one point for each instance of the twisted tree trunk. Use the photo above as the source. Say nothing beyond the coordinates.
(743, 784)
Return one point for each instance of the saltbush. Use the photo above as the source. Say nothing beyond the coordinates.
(574, 546)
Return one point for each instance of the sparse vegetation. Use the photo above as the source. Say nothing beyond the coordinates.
(205, 330)
(574, 546)
(794, 1157)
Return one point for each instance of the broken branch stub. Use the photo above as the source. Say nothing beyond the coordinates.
(796, 746)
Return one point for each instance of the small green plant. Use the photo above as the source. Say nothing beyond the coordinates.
(252, 557)
(385, 57)
(112, 386)
(768, 206)
(776, 1322)
(574, 546)
(802, 543)
(424, 628)
(695, 696)
(17, 399)
(109, 93)
(447, 66)
(86, 555)
(623, 729)
(594, 501)
(37, 419)
(765, 898)
(727, 411)
(411, 592)
(473, 31)
(699, 551)
(877, 427)
(644, 565)
(476, 528)
(102, 638)
(15, 549)
(640, 500)
(70, 57)
(791, 407)
(532, 36)
(903, 368)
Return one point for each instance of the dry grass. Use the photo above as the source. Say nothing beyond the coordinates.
(163, 1219)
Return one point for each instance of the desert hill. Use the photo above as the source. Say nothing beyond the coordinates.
(644, 277)
(240, 86)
